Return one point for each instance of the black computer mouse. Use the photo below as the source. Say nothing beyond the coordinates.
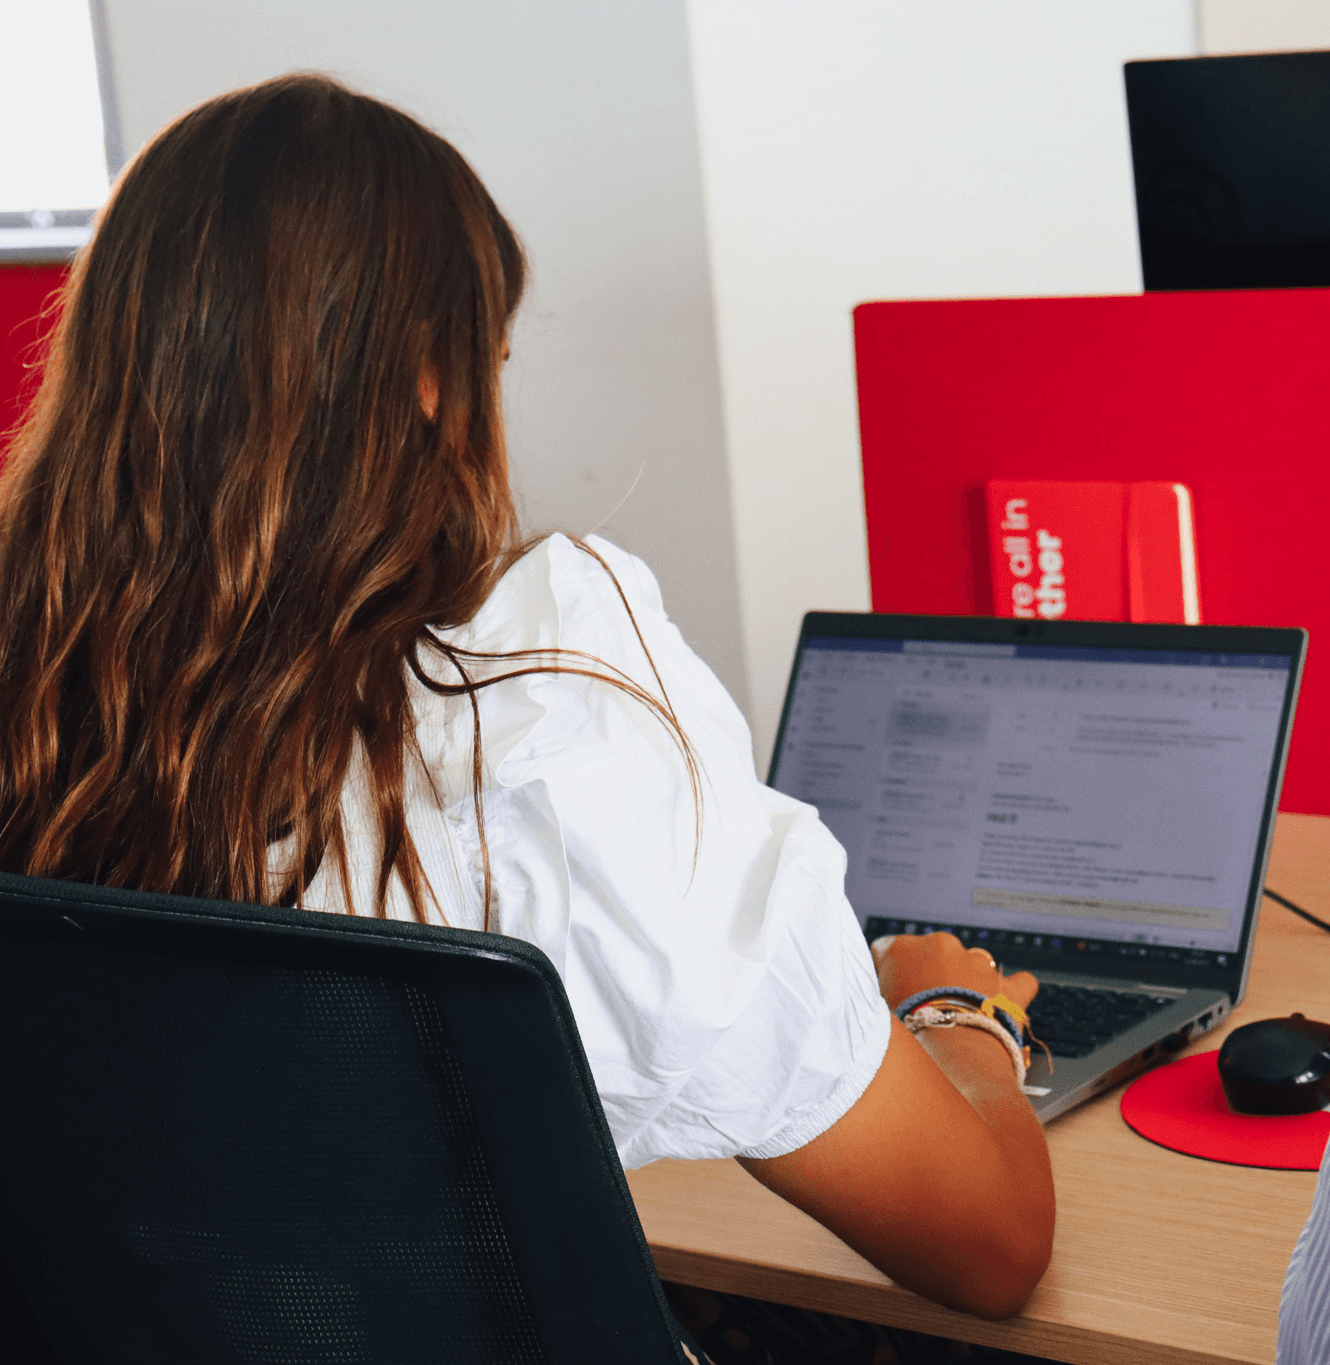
(1277, 1066)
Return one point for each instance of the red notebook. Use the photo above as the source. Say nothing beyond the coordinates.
(1090, 551)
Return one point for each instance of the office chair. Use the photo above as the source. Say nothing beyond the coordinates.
(252, 1134)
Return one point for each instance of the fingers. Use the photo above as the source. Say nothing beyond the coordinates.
(908, 963)
(1022, 987)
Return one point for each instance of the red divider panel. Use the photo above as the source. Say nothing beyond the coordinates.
(1225, 392)
(24, 290)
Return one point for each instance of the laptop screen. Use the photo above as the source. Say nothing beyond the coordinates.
(1060, 790)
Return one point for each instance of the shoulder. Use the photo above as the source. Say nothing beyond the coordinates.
(564, 593)
(567, 623)
(595, 605)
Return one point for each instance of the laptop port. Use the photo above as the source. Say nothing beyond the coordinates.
(1176, 1041)
(1205, 1019)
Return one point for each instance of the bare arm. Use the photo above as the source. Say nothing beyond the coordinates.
(939, 1174)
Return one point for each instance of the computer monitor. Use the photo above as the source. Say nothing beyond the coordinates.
(1232, 176)
(62, 139)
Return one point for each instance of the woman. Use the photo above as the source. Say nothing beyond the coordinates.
(1304, 1306)
(272, 637)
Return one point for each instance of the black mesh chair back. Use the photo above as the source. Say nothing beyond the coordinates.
(241, 1134)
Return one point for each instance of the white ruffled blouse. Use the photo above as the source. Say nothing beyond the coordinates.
(723, 990)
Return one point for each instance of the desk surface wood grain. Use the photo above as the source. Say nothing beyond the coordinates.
(1159, 1258)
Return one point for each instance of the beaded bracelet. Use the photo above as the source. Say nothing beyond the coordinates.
(950, 1002)
(1007, 1012)
(927, 1016)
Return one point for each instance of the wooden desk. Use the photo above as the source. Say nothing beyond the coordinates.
(1159, 1258)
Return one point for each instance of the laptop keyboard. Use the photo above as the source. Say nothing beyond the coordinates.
(1075, 1020)
(1072, 1020)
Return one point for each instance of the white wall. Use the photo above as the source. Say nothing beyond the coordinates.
(850, 150)
(871, 149)
(578, 115)
(1233, 26)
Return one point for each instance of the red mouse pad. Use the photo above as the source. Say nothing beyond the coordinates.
(1182, 1106)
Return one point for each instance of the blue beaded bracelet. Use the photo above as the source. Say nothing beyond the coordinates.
(969, 997)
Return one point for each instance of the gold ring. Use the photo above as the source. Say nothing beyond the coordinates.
(992, 961)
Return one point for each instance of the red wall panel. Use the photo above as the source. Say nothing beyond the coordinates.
(24, 291)
(1227, 392)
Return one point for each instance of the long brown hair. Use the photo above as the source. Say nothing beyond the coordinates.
(228, 527)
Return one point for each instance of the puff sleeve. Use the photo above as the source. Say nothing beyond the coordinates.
(722, 987)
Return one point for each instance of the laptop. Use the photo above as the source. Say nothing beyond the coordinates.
(1092, 802)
